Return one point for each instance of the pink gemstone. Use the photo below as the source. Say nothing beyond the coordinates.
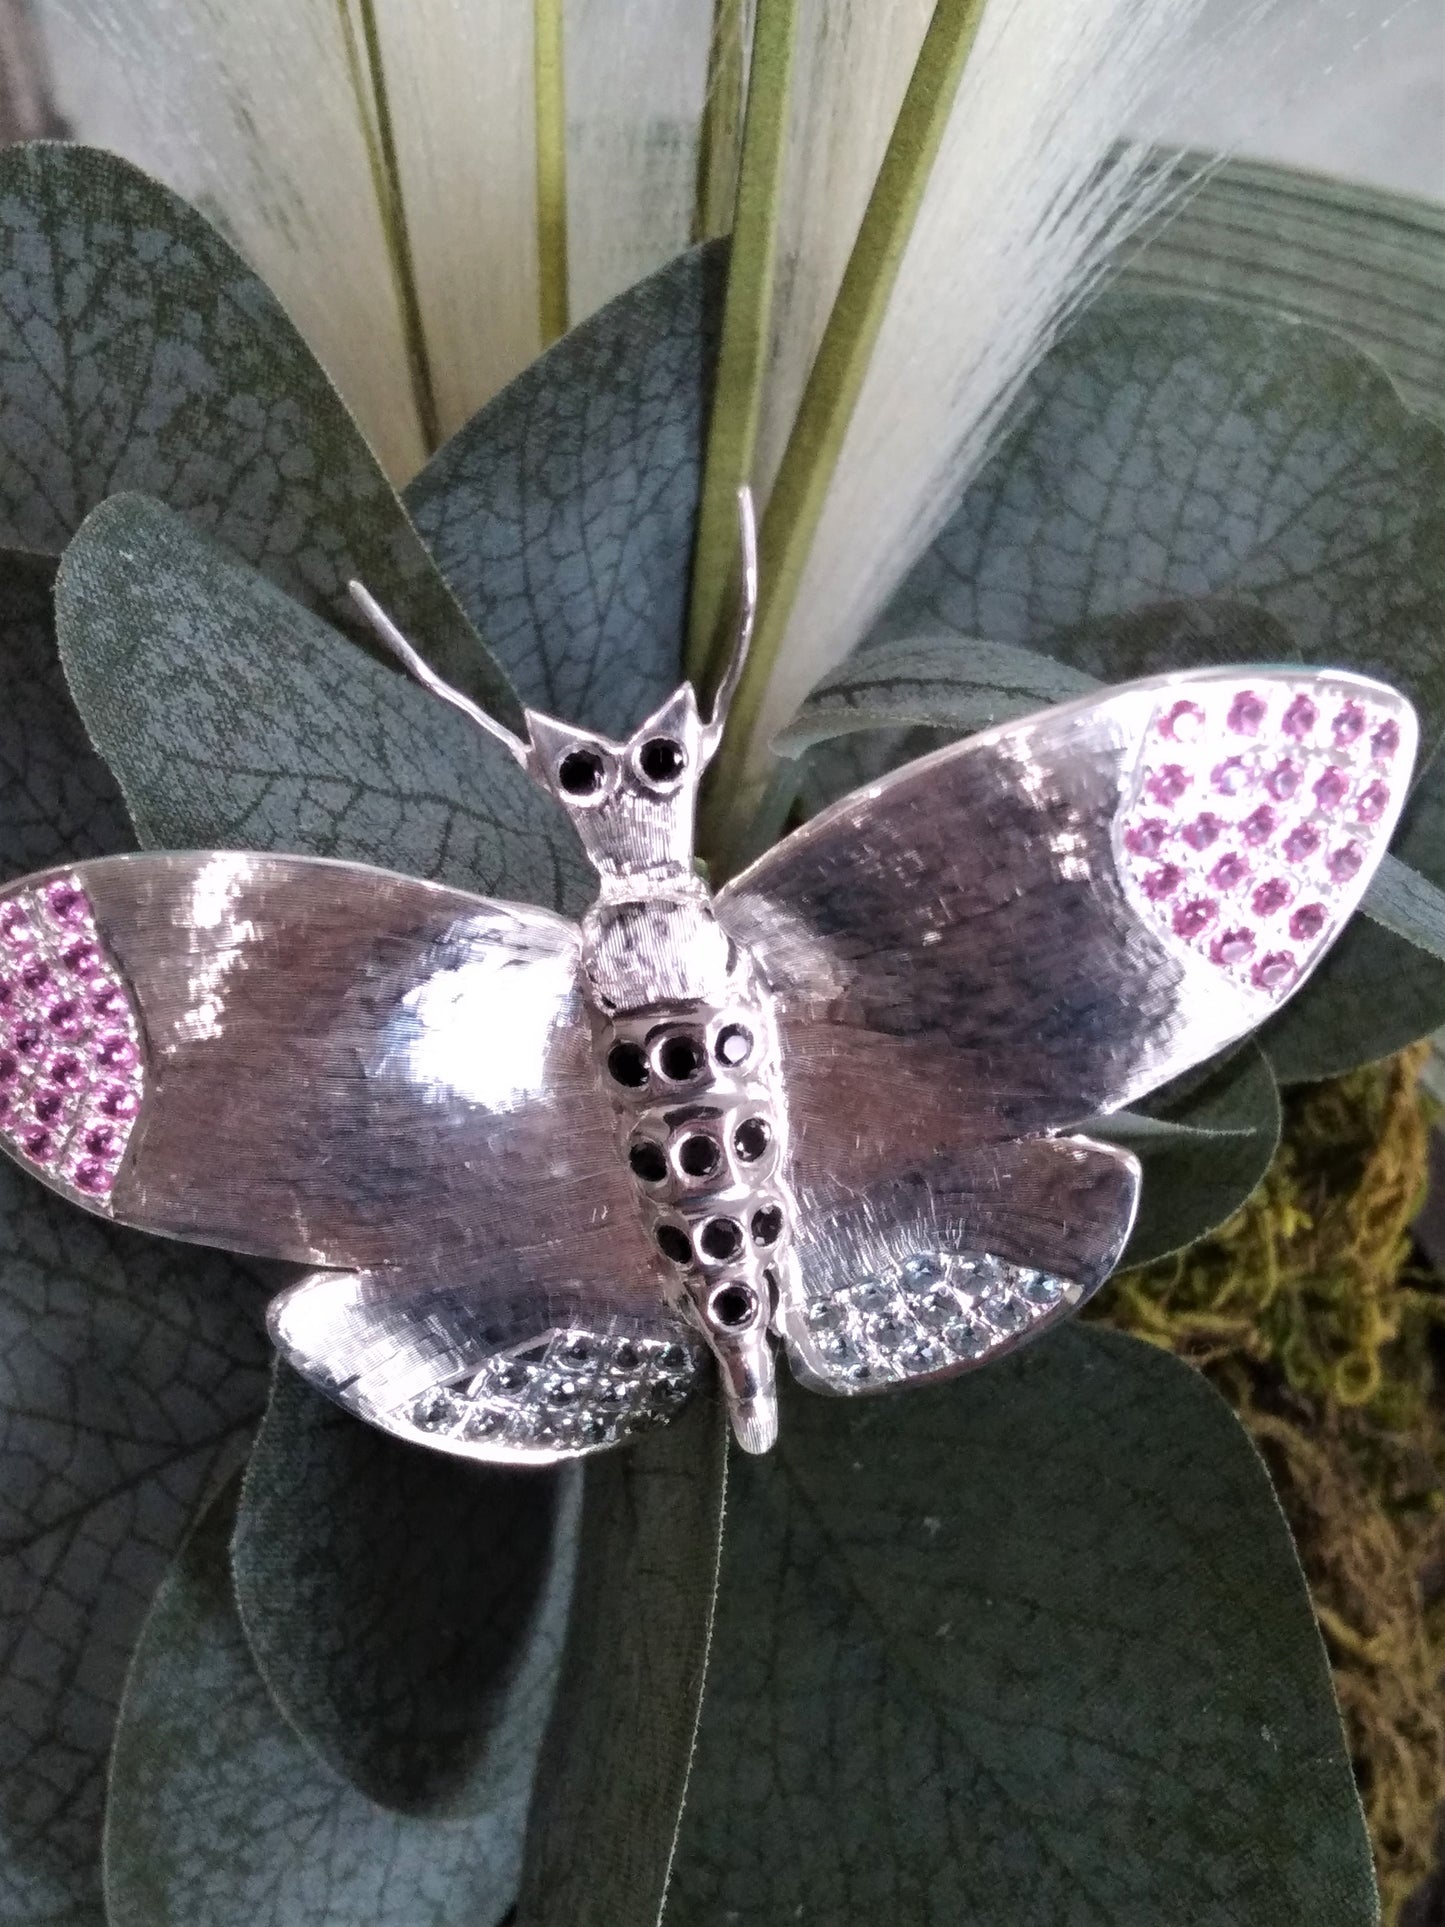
(1203, 831)
(1193, 917)
(1229, 872)
(91, 1175)
(48, 1106)
(1307, 922)
(1301, 842)
(115, 1052)
(1147, 838)
(1271, 897)
(1246, 713)
(1299, 718)
(1259, 827)
(109, 1001)
(1345, 862)
(35, 974)
(1349, 725)
(1274, 970)
(27, 1038)
(1372, 802)
(102, 1140)
(1168, 784)
(7, 1105)
(9, 1067)
(7, 993)
(38, 1144)
(1385, 741)
(65, 1069)
(1330, 789)
(1232, 776)
(14, 924)
(83, 958)
(1183, 723)
(67, 1015)
(1232, 947)
(1159, 883)
(1283, 781)
(65, 902)
(118, 1100)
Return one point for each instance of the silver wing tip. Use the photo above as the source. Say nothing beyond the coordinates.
(755, 1423)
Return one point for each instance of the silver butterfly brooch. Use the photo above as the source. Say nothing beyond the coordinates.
(541, 1170)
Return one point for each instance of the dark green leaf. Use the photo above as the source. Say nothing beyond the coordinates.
(1196, 1178)
(220, 1817)
(233, 717)
(413, 1637)
(133, 1372)
(563, 513)
(1029, 1650)
(138, 351)
(1359, 259)
(615, 1764)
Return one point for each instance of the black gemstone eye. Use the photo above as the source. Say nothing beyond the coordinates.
(628, 1065)
(721, 1238)
(698, 1156)
(580, 772)
(732, 1307)
(648, 1162)
(734, 1044)
(661, 759)
(673, 1243)
(767, 1224)
(752, 1138)
(680, 1059)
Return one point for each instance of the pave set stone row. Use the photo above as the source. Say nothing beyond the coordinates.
(1256, 807)
(934, 1310)
(567, 1391)
(70, 1051)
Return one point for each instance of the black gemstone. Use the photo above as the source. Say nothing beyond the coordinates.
(767, 1224)
(628, 1065)
(624, 1356)
(722, 1238)
(734, 1045)
(752, 1138)
(698, 1156)
(580, 772)
(661, 759)
(681, 1058)
(732, 1308)
(673, 1243)
(648, 1162)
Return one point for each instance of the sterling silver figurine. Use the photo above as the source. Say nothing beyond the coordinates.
(542, 1173)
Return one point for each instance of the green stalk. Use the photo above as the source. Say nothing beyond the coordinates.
(368, 82)
(831, 394)
(722, 119)
(549, 81)
(742, 359)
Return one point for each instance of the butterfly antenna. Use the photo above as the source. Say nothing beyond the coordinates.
(747, 616)
(422, 671)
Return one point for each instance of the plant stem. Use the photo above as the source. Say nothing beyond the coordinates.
(368, 81)
(549, 80)
(742, 361)
(722, 119)
(831, 394)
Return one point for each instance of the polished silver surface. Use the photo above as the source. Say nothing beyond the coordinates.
(543, 1171)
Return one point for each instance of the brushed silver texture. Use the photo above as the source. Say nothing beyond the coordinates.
(543, 1171)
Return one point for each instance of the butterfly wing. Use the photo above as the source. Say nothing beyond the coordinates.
(1033, 928)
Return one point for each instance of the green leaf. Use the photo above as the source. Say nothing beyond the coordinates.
(412, 1638)
(1358, 259)
(1197, 1176)
(615, 1765)
(1031, 1647)
(133, 1371)
(232, 717)
(220, 1815)
(139, 352)
(563, 513)
(1180, 450)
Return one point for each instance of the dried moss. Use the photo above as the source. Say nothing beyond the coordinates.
(1307, 1312)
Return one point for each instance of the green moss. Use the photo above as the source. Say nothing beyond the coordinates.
(1307, 1313)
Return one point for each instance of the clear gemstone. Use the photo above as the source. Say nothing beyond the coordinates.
(436, 1410)
(1008, 1316)
(872, 1295)
(969, 1338)
(937, 1308)
(888, 1331)
(923, 1269)
(824, 1314)
(923, 1355)
(1041, 1289)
